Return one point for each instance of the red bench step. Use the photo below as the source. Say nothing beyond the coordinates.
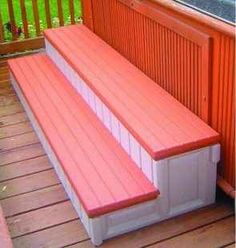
(103, 176)
(162, 125)
(174, 148)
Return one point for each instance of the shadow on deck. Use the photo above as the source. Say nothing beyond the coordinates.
(39, 213)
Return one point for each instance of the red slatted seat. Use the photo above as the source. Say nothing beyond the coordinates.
(101, 173)
(162, 125)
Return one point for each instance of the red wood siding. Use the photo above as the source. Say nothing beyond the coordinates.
(192, 61)
(87, 13)
(223, 102)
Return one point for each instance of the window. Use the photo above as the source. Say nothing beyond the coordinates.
(222, 9)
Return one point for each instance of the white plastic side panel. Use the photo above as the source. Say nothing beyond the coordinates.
(186, 182)
(183, 179)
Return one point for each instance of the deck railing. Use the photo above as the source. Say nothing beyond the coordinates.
(26, 19)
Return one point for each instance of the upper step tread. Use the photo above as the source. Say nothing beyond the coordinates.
(86, 150)
(159, 122)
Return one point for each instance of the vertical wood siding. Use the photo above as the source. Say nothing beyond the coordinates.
(193, 64)
(87, 13)
(176, 58)
(223, 103)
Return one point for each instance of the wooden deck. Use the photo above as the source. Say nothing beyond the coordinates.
(39, 213)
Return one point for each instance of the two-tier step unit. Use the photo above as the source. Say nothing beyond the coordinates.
(127, 152)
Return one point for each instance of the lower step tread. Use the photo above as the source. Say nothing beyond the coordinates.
(101, 173)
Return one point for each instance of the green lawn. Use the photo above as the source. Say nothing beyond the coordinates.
(41, 7)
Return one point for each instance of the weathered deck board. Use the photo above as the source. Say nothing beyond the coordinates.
(4, 83)
(3, 69)
(33, 200)
(5, 92)
(27, 184)
(8, 100)
(16, 129)
(40, 215)
(214, 235)
(18, 141)
(10, 109)
(23, 168)
(30, 222)
(54, 237)
(4, 76)
(21, 153)
(13, 119)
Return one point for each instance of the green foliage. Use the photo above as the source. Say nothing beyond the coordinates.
(41, 8)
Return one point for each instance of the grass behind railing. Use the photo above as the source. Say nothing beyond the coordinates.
(42, 16)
